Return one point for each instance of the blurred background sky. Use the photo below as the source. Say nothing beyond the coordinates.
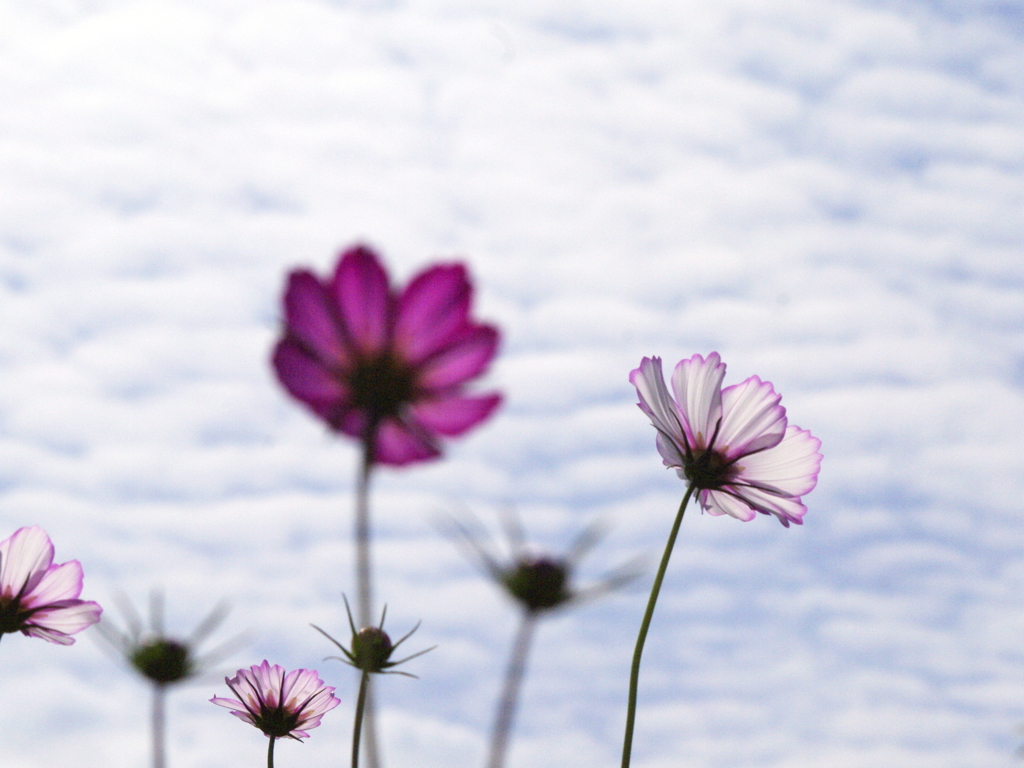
(828, 194)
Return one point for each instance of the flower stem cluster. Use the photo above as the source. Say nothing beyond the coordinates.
(539, 584)
(161, 660)
(371, 654)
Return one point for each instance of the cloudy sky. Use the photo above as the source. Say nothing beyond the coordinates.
(828, 194)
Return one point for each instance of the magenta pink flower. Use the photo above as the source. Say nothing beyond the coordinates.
(278, 703)
(383, 365)
(732, 445)
(39, 598)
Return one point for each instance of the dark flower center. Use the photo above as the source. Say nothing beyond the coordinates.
(538, 584)
(12, 615)
(162, 661)
(277, 723)
(709, 470)
(381, 385)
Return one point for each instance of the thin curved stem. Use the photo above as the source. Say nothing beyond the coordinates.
(364, 579)
(373, 751)
(510, 694)
(364, 587)
(634, 675)
(270, 753)
(357, 727)
(159, 697)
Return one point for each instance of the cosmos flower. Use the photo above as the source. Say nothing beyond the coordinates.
(733, 445)
(538, 582)
(39, 598)
(278, 703)
(159, 658)
(382, 365)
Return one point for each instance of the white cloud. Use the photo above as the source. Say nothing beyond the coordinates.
(829, 197)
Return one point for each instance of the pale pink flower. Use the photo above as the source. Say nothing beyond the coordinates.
(384, 365)
(281, 704)
(733, 445)
(38, 598)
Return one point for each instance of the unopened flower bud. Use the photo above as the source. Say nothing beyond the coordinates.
(371, 649)
(162, 661)
(538, 583)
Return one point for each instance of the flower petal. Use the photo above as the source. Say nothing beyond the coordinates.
(721, 503)
(243, 715)
(24, 558)
(323, 701)
(67, 617)
(791, 466)
(60, 582)
(466, 357)
(671, 453)
(398, 444)
(697, 384)
(238, 709)
(266, 681)
(454, 415)
(432, 311)
(786, 509)
(299, 685)
(229, 703)
(310, 697)
(310, 319)
(307, 379)
(352, 422)
(659, 406)
(49, 635)
(363, 297)
(752, 419)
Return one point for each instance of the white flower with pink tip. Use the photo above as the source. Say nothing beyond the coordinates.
(281, 704)
(734, 446)
(38, 598)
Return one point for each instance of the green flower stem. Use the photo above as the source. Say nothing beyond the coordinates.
(364, 580)
(270, 753)
(159, 697)
(357, 728)
(364, 587)
(634, 675)
(510, 694)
